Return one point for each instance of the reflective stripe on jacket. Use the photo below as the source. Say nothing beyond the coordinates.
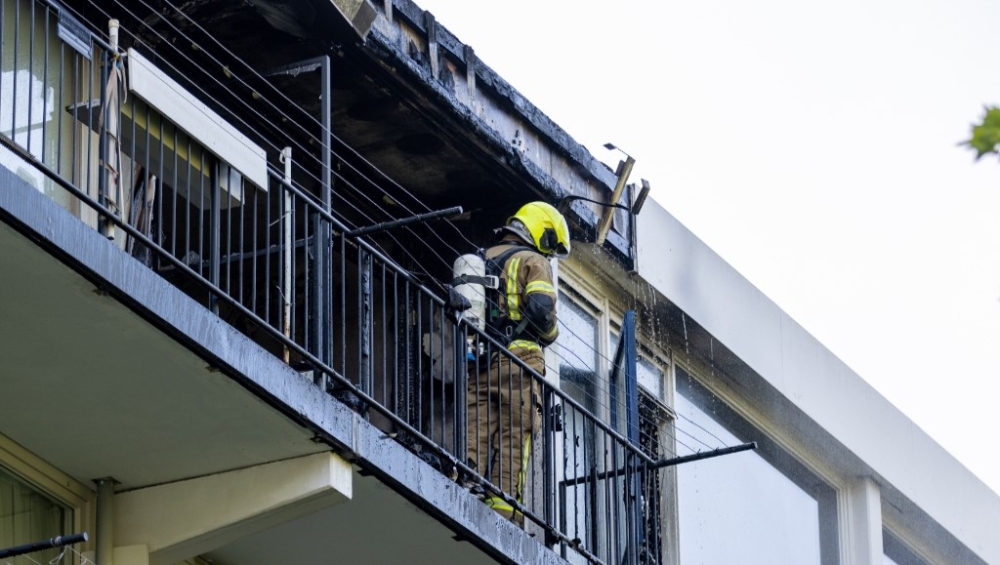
(529, 302)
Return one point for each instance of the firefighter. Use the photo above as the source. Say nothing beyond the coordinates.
(503, 400)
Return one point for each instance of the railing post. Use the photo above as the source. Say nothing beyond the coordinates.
(215, 235)
(365, 283)
(592, 502)
(548, 457)
(632, 510)
(317, 309)
(462, 350)
(287, 223)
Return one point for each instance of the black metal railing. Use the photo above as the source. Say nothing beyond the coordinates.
(301, 279)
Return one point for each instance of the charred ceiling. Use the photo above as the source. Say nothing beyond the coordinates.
(402, 143)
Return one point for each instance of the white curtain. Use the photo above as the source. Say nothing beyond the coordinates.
(27, 516)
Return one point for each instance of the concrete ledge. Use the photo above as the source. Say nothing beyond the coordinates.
(187, 518)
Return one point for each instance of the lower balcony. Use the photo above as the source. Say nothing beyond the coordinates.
(217, 448)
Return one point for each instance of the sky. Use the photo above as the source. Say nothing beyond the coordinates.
(815, 147)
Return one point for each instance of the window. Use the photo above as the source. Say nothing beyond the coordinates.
(579, 365)
(598, 501)
(579, 360)
(656, 428)
(650, 377)
(753, 508)
(655, 441)
(28, 516)
(26, 126)
(32, 93)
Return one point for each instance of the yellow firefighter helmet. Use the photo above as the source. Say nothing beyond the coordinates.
(547, 227)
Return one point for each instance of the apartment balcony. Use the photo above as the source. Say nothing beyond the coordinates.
(232, 312)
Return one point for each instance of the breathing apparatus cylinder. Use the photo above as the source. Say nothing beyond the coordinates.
(472, 265)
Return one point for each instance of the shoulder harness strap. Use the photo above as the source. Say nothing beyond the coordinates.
(490, 281)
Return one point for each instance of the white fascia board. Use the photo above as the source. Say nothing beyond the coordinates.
(194, 516)
(199, 121)
(688, 273)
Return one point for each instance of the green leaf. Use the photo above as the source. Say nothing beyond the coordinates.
(986, 135)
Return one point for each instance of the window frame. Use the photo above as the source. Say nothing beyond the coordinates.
(609, 318)
(76, 497)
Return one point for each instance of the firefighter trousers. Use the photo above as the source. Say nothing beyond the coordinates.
(503, 417)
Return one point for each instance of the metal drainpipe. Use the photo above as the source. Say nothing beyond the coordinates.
(327, 346)
(322, 299)
(104, 544)
(318, 295)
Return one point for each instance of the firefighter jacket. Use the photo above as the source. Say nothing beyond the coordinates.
(527, 297)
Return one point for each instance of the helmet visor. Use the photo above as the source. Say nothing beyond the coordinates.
(562, 251)
(550, 244)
